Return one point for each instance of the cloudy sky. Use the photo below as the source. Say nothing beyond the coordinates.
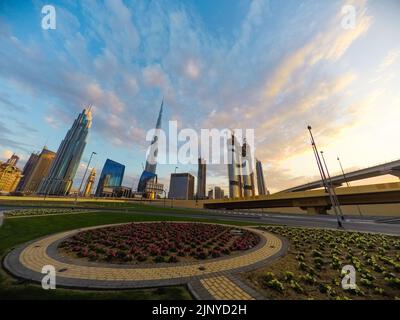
(272, 66)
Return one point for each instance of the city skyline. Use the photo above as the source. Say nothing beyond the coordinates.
(244, 70)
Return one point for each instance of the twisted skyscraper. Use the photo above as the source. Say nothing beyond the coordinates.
(149, 172)
(63, 169)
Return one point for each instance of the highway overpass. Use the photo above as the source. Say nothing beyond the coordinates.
(392, 168)
(315, 201)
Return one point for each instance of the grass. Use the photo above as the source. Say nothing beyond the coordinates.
(129, 206)
(312, 268)
(17, 231)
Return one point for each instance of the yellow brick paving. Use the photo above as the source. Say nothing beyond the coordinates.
(221, 288)
(34, 257)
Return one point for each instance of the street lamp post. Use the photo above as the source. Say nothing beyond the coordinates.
(84, 175)
(347, 182)
(324, 178)
(176, 168)
(335, 198)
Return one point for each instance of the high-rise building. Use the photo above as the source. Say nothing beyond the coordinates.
(40, 171)
(218, 193)
(181, 186)
(149, 172)
(260, 178)
(210, 194)
(111, 176)
(89, 183)
(27, 171)
(240, 169)
(234, 168)
(201, 179)
(247, 171)
(10, 175)
(63, 169)
(13, 160)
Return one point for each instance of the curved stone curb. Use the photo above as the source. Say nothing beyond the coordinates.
(27, 260)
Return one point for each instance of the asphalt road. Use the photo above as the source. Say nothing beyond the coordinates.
(384, 225)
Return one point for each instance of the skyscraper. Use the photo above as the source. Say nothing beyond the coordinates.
(260, 178)
(10, 175)
(40, 170)
(234, 167)
(27, 171)
(218, 193)
(149, 172)
(89, 183)
(247, 171)
(13, 160)
(63, 169)
(201, 179)
(181, 186)
(111, 176)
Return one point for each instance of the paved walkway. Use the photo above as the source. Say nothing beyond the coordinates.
(211, 279)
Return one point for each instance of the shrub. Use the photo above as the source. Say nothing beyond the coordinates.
(393, 282)
(303, 266)
(172, 259)
(316, 253)
(324, 288)
(296, 286)
(275, 285)
(366, 283)
(288, 276)
(268, 276)
(159, 259)
(308, 279)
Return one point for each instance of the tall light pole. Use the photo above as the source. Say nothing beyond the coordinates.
(84, 175)
(335, 198)
(323, 177)
(347, 182)
(176, 168)
(344, 175)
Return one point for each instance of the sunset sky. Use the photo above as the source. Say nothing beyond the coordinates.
(274, 66)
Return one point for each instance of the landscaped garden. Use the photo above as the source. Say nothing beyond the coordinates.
(36, 212)
(18, 231)
(312, 268)
(158, 242)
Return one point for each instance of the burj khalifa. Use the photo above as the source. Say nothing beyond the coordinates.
(149, 172)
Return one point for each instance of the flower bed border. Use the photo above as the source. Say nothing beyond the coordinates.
(16, 268)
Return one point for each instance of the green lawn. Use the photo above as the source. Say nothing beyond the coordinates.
(17, 231)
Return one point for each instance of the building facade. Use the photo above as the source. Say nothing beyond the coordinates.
(201, 179)
(234, 168)
(111, 176)
(218, 193)
(181, 186)
(63, 169)
(40, 171)
(262, 190)
(149, 172)
(27, 171)
(10, 175)
(89, 183)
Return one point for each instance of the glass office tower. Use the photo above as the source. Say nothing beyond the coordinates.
(64, 166)
(111, 176)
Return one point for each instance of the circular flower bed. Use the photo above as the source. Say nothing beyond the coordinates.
(158, 242)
